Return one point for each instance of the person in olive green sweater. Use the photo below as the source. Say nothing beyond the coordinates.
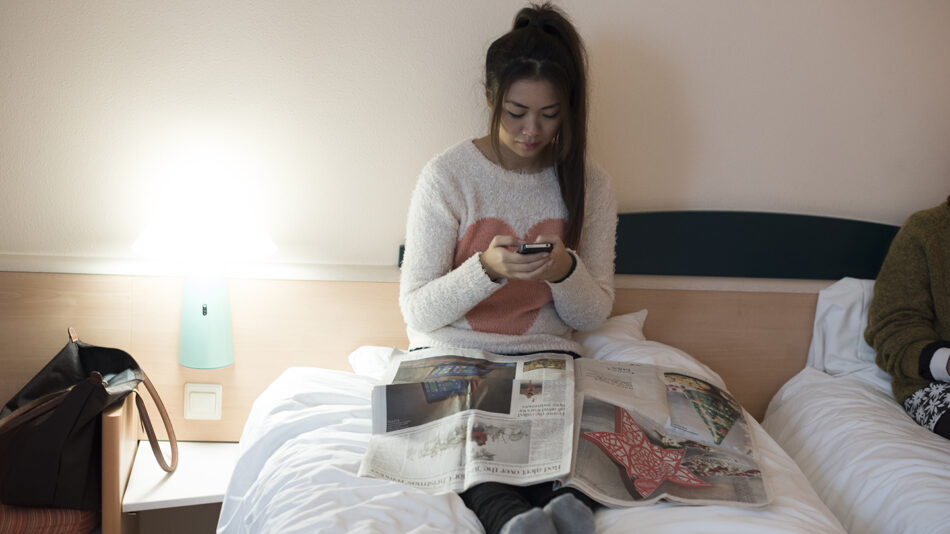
(909, 317)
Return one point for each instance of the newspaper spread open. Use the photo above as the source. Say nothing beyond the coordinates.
(625, 434)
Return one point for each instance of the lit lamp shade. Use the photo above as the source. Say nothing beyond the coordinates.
(205, 340)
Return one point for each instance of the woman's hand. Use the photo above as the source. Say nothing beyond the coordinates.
(500, 261)
(562, 262)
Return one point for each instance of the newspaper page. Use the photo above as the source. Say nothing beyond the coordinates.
(646, 433)
(446, 420)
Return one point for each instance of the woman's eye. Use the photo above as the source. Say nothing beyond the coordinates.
(516, 115)
(551, 116)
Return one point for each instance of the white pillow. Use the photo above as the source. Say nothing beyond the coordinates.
(621, 338)
(837, 342)
(372, 361)
(613, 335)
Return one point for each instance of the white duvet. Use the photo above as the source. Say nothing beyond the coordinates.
(306, 434)
(878, 470)
(875, 468)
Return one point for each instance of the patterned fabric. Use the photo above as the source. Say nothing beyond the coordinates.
(929, 404)
(21, 520)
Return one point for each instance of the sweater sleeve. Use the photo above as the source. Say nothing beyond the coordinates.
(901, 316)
(585, 298)
(431, 293)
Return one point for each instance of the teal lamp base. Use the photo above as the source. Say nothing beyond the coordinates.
(205, 339)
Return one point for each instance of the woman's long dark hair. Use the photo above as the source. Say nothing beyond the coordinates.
(543, 45)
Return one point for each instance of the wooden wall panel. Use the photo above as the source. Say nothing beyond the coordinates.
(37, 309)
(754, 340)
(277, 324)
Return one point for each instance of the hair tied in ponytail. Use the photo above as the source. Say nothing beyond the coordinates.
(538, 22)
(534, 16)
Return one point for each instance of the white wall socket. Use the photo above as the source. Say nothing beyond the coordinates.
(203, 401)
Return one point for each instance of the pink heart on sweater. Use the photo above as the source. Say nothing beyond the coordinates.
(514, 308)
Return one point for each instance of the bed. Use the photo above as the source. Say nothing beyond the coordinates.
(306, 433)
(875, 468)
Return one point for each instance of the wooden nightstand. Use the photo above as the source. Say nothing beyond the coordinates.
(186, 501)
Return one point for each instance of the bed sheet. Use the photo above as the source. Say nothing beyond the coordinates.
(875, 468)
(306, 434)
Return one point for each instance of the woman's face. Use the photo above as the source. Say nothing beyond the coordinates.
(530, 118)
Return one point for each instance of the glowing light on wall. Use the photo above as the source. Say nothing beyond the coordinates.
(203, 218)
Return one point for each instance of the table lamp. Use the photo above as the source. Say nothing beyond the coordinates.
(202, 246)
(205, 339)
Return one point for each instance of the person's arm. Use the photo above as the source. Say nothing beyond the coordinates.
(431, 293)
(901, 314)
(584, 299)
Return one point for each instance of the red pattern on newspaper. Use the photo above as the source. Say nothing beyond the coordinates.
(650, 465)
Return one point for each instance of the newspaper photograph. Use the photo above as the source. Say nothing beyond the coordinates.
(445, 422)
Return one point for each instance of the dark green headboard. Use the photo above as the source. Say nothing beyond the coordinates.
(747, 244)
(750, 245)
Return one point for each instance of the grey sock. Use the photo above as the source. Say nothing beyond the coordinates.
(534, 521)
(570, 515)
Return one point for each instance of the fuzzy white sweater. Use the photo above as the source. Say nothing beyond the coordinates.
(460, 202)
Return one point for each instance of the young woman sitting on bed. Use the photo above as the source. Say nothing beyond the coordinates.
(463, 284)
(909, 317)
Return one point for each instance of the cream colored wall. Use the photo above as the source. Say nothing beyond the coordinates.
(329, 109)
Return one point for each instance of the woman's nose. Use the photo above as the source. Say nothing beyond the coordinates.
(530, 128)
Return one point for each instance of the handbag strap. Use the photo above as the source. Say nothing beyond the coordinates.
(150, 432)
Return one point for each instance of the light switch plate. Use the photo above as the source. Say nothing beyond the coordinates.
(203, 401)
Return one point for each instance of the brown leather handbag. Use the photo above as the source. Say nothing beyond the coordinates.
(51, 430)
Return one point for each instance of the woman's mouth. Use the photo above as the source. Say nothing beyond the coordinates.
(529, 146)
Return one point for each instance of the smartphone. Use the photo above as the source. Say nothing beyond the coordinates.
(534, 248)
